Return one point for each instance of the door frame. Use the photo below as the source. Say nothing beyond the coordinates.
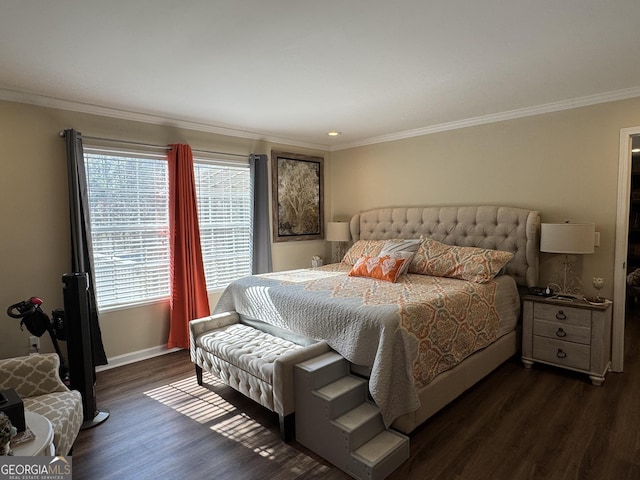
(621, 246)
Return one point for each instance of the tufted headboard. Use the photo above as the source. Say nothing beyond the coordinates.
(498, 228)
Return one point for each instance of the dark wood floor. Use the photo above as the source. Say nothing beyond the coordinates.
(542, 423)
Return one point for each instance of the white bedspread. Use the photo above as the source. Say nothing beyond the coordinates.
(369, 322)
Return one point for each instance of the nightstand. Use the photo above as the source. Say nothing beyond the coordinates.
(570, 334)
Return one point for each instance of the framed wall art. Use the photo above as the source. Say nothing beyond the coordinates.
(297, 183)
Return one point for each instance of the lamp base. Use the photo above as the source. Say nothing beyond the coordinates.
(569, 286)
(340, 252)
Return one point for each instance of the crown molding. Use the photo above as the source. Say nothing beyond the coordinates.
(499, 117)
(62, 104)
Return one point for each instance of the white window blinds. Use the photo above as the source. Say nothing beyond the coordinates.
(224, 210)
(128, 204)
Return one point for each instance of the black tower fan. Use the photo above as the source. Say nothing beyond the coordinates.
(82, 372)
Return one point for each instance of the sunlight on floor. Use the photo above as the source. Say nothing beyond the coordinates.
(192, 400)
(206, 407)
(242, 429)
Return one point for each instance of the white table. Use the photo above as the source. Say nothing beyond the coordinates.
(42, 444)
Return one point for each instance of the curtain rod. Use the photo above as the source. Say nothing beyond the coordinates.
(147, 145)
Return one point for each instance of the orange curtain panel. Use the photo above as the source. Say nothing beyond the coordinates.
(189, 298)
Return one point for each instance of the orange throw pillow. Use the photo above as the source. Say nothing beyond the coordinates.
(385, 268)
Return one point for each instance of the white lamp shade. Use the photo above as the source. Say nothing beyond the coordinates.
(576, 238)
(338, 232)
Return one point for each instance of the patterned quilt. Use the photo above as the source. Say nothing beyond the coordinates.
(406, 332)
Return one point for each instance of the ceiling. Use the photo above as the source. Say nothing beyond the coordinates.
(292, 70)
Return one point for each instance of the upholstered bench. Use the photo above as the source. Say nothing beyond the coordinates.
(254, 358)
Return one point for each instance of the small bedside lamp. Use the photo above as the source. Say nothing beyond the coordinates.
(567, 238)
(338, 232)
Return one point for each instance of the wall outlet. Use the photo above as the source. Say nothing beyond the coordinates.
(34, 344)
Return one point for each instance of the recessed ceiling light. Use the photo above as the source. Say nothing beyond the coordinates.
(334, 133)
(633, 150)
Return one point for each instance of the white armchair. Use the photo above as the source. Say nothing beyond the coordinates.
(38, 383)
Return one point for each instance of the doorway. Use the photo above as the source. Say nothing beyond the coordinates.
(629, 140)
(633, 249)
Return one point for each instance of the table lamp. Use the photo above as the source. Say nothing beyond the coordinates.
(338, 232)
(569, 239)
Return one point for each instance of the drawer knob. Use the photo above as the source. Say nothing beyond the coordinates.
(561, 333)
(560, 315)
(561, 354)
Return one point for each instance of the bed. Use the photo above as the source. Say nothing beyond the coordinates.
(421, 337)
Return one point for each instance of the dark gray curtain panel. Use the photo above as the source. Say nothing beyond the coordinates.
(81, 247)
(261, 224)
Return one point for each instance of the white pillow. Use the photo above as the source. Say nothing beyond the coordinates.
(401, 248)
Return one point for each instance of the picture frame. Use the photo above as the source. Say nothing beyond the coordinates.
(297, 196)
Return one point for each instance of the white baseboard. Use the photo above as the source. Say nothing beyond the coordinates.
(133, 357)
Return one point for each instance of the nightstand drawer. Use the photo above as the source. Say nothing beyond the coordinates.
(561, 331)
(561, 353)
(560, 313)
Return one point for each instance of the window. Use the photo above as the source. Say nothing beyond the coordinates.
(224, 211)
(129, 212)
(128, 204)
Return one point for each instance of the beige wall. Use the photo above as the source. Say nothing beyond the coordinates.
(564, 164)
(34, 245)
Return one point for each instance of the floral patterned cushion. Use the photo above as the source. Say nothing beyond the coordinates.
(363, 248)
(386, 268)
(474, 264)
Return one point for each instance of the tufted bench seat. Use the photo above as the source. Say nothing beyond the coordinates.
(255, 362)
